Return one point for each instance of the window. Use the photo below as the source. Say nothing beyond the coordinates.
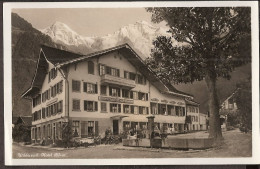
(180, 111)
(171, 110)
(162, 109)
(91, 128)
(103, 106)
(103, 90)
(43, 113)
(90, 67)
(108, 70)
(52, 74)
(143, 96)
(113, 91)
(60, 106)
(143, 110)
(126, 125)
(136, 110)
(125, 93)
(76, 105)
(140, 80)
(154, 108)
(75, 86)
(126, 108)
(37, 100)
(135, 95)
(115, 72)
(102, 69)
(90, 105)
(115, 108)
(59, 87)
(126, 75)
(75, 128)
(132, 76)
(90, 88)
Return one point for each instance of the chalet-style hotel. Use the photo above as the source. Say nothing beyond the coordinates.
(110, 89)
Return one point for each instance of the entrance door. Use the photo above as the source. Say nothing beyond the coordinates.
(115, 127)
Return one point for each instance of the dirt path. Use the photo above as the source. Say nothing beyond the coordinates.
(236, 144)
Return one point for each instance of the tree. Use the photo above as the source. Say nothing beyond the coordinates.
(21, 133)
(67, 134)
(212, 42)
(243, 99)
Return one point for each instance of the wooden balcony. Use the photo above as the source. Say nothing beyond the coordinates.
(118, 81)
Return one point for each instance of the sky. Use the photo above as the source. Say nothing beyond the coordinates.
(86, 21)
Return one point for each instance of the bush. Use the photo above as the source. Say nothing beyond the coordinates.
(67, 135)
(21, 133)
(230, 128)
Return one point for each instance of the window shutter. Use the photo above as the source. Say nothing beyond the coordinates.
(118, 92)
(140, 110)
(61, 106)
(61, 85)
(96, 128)
(125, 74)
(119, 108)
(99, 69)
(131, 95)
(146, 96)
(85, 105)
(132, 109)
(85, 87)
(96, 88)
(110, 91)
(107, 70)
(118, 72)
(96, 106)
(110, 107)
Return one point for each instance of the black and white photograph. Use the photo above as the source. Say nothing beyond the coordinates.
(141, 83)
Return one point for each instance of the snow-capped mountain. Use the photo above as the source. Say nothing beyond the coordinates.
(61, 33)
(139, 35)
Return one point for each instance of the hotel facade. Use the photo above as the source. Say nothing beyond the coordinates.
(110, 89)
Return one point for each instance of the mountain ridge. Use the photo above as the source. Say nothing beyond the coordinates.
(139, 35)
(26, 42)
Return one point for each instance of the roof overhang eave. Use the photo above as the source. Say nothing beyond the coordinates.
(177, 94)
(91, 55)
(26, 92)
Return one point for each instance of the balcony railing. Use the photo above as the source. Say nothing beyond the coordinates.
(115, 99)
(109, 79)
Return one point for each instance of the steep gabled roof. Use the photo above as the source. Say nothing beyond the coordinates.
(56, 56)
(60, 58)
(135, 60)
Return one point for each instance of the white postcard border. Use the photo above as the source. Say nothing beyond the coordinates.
(146, 161)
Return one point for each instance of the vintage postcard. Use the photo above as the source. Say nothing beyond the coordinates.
(131, 83)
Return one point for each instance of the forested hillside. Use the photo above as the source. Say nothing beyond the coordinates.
(26, 43)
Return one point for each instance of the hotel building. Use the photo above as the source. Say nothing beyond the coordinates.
(110, 89)
(194, 115)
